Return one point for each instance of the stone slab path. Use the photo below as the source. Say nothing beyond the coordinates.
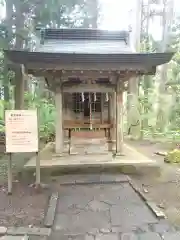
(106, 211)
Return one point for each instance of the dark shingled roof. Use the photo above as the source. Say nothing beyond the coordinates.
(87, 46)
(145, 59)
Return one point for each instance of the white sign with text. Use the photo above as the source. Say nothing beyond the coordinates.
(21, 130)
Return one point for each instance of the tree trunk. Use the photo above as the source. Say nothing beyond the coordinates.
(146, 79)
(8, 21)
(133, 83)
(19, 77)
(166, 22)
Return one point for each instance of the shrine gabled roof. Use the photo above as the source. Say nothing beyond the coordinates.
(86, 46)
(144, 59)
(83, 41)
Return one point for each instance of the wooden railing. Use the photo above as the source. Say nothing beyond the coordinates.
(79, 125)
(69, 124)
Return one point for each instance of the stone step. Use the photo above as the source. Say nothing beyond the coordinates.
(121, 236)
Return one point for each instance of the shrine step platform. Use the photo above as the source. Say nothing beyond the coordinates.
(130, 162)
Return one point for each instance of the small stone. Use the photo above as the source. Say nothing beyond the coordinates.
(3, 230)
(145, 190)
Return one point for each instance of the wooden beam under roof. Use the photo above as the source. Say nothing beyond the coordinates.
(89, 88)
(103, 70)
(92, 67)
(66, 74)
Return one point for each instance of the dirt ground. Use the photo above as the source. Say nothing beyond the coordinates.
(25, 207)
(18, 161)
(165, 189)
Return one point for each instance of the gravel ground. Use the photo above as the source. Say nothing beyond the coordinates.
(24, 207)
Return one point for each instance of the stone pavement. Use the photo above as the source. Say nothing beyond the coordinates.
(98, 207)
(107, 211)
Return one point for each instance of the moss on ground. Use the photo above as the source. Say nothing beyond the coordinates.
(173, 156)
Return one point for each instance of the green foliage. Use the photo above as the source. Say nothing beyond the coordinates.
(46, 114)
(160, 111)
(173, 156)
(61, 13)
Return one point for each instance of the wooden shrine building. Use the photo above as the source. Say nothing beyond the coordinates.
(87, 70)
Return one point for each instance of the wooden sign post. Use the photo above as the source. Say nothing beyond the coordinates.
(21, 136)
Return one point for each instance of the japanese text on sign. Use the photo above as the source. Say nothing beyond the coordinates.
(21, 131)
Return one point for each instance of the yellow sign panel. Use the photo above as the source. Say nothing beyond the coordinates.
(21, 131)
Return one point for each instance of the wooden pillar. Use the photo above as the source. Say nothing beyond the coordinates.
(113, 112)
(102, 107)
(109, 107)
(109, 121)
(119, 118)
(59, 140)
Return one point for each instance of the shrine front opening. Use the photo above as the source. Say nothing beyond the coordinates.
(88, 106)
(88, 115)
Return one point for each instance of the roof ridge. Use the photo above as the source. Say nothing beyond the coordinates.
(83, 34)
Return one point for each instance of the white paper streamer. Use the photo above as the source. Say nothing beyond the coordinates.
(82, 96)
(107, 97)
(95, 99)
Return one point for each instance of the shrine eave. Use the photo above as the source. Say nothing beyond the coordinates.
(144, 59)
